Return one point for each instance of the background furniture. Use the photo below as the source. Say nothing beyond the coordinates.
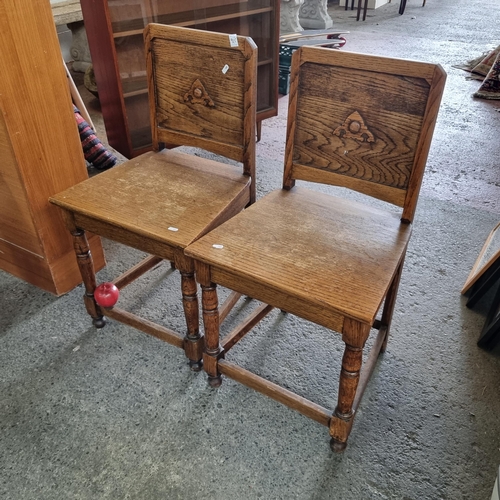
(361, 122)
(490, 334)
(484, 275)
(203, 91)
(402, 6)
(40, 150)
(114, 30)
(291, 42)
(485, 272)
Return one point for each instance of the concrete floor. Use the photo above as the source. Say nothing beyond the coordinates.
(114, 414)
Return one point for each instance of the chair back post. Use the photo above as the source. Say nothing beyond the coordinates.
(151, 88)
(288, 179)
(202, 91)
(430, 117)
(250, 114)
(361, 122)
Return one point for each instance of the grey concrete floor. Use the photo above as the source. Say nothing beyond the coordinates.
(114, 414)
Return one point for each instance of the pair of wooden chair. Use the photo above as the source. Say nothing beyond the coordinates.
(361, 122)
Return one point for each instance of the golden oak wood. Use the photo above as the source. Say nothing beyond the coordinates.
(310, 234)
(159, 191)
(401, 100)
(211, 319)
(40, 149)
(360, 122)
(202, 93)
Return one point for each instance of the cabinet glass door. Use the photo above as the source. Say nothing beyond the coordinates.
(128, 18)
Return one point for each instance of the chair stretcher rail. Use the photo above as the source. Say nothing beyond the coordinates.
(145, 326)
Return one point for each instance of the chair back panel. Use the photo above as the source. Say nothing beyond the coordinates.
(361, 122)
(202, 89)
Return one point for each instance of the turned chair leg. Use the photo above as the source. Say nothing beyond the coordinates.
(213, 351)
(86, 266)
(354, 336)
(193, 341)
(390, 302)
(343, 415)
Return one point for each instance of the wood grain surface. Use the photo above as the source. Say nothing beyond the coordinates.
(153, 195)
(304, 257)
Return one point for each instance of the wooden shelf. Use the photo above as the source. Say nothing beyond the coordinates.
(265, 61)
(122, 30)
(134, 86)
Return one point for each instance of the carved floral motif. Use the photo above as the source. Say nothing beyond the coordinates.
(198, 95)
(354, 127)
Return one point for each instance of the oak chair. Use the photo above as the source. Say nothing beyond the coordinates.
(361, 122)
(202, 93)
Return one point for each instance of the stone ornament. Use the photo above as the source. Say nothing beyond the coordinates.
(313, 14)
(289, 16)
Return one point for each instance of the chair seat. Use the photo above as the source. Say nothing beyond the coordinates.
(168, 196)
(315, 257)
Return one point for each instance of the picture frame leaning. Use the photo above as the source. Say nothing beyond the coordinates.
(483, 276)
(490, 334)
(486, 270)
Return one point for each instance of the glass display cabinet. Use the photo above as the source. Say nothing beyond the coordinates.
(115, 34)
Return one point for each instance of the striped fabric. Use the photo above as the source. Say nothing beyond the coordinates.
(93, 150)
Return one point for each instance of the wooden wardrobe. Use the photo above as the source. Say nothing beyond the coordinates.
(40, 150)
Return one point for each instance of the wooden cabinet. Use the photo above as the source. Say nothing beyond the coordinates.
(115, 33)
(40, 150)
